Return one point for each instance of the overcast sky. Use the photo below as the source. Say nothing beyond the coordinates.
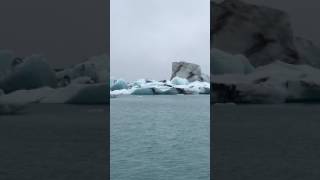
(65, 31)
(148, 35)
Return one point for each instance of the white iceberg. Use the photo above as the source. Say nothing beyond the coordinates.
(179, 81)
(118, 85)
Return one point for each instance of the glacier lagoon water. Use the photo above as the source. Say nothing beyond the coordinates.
(160, 137)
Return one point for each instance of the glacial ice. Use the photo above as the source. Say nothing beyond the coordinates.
(179, 81)
(26, 96)
(277, 82)
(90, 94)
(119, 84)
(224, 63)
(33, 73)
(78, 94)
(32, 80)
(152, 87)
(95, 67)
(6, 59)
(144, 91)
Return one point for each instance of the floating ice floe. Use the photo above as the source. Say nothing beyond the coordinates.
(151, 87)
(26, 96)
(78, 94)
(72, 94)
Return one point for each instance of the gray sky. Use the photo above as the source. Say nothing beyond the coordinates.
(65, 31)
(148, 35)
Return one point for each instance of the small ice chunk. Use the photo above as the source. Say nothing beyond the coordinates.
(119, 84)
(179, 81)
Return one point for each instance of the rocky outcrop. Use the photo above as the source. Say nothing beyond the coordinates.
(262, 34)
(191, 72)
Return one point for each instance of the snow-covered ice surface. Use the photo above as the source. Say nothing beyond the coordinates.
(277, 82)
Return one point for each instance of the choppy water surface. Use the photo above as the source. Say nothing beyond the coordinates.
(160, 137)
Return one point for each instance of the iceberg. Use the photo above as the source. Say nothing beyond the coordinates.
(33, 73)
(116, 93)
(166, 91)
(92, 94)
(95, 68)
(199, 87)
(78, 94)
(225, 63)
(166, 87)
(6, 62)
(144, 91)
(179, 81)
(26, 96)
(119, 84)
(277, 82)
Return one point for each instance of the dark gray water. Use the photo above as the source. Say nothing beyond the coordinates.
(160, 137)
(55, 141)
(263, 142)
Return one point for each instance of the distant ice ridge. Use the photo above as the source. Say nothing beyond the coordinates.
(152, 87)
